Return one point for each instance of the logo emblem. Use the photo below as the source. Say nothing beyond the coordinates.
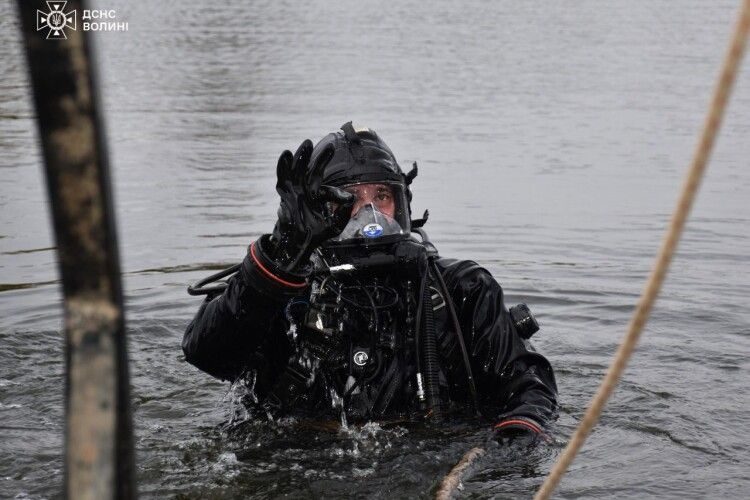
(372, 230)
(360, 358)
(56, 20)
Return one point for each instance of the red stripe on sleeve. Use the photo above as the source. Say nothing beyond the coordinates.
(524, 423)
(270, 275)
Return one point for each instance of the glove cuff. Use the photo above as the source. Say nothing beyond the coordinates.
(266, 276)
(519, 424)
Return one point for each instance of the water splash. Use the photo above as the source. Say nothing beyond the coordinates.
(241, 397)
(337, 403)
(292, 333)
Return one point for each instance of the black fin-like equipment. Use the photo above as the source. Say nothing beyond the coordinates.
(421, 222)
(350, 133)
(409, 177)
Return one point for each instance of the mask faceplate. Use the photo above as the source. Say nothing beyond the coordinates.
(370, 223)
(381, 210)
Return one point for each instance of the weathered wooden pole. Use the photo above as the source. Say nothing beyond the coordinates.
(98, 437)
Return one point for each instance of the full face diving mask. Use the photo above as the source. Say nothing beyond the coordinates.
(381, 210)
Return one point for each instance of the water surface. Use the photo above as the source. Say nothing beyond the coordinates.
(551, 138)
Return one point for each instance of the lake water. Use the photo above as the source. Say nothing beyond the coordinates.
(552, 139)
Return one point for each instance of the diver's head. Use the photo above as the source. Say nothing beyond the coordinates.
(364, 165)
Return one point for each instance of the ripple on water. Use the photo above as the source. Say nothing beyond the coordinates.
(556, 167)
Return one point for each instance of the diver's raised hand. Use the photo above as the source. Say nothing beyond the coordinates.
(310, 212)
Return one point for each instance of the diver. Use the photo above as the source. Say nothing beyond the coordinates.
(346, 308)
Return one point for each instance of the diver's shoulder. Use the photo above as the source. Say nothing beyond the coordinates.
(448, 263)
(463, 270)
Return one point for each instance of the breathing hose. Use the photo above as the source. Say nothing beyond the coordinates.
(418, 325)
(430, 353)
(458, 332)
(202, 288)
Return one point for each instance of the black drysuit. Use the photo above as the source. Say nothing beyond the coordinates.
(245, 330)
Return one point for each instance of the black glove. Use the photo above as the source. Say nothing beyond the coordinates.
(306, 218)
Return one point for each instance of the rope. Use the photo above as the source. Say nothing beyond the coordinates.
(700, 158)
(451, 482)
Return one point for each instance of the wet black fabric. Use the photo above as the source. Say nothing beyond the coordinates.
(511, 376)
(245, 329)
(359, 156)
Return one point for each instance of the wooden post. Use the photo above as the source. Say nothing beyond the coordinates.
(98, 437)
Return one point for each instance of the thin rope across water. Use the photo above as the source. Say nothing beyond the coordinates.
(700, 158)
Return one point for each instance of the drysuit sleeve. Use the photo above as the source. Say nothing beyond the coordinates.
(515, 384)
(244, 328)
